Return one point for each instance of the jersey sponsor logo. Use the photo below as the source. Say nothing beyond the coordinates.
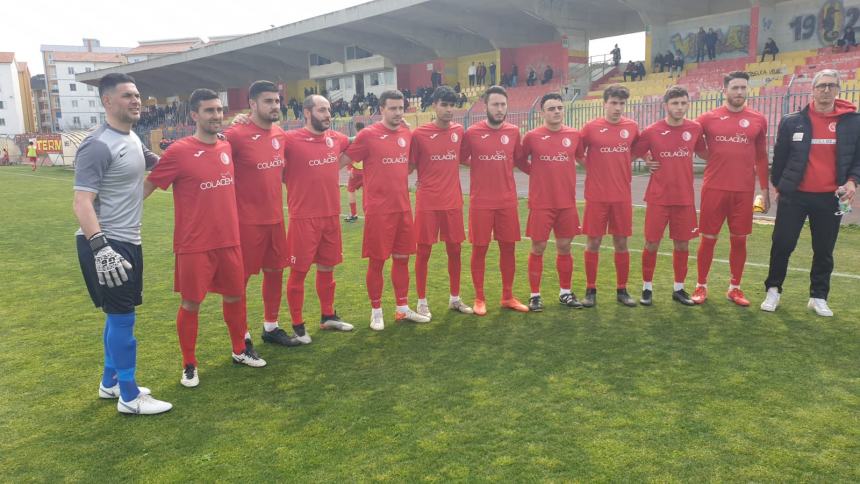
(739, 138)
(225, 180)
(454, 137)
(566, 142)
(267, 165)
(504, 139)
(832, 127)
(621, 148)
(497, 156)
(560, 156)
(744, 123)
(401, 142)
(686, 136)
(197, 155)
(255, 137)
(723, 118)
(331, 158)
(276, 144)
(449, 156)
(624, 134)
(682, 152)
(225, 158)
(393, 161)
(329, 142)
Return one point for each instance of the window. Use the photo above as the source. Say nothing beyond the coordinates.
(318, 60)
(76, 121)
(333, 84)
(73, 87)
(356, 52)
(2, 122)
(74, 103)
(92, 103)
(1, 105)
(374, 79)
(89, 88)
(71, 70)
(88, 69)
(93, 120)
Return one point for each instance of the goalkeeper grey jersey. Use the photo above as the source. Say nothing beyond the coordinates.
(112, 164)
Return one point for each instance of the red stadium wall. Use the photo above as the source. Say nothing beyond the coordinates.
(237, 98)
(413, 76)
(536, 56)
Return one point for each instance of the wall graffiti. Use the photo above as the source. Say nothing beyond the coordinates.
(810, 24)
(733, 39)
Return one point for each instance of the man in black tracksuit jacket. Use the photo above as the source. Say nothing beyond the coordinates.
(816, 163)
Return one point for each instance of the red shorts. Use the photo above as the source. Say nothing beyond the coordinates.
(315, 240)
(263, 246)
(32, 159)
(388, 233)
(356, 180)
(681, 220)
(719, 205)
(216, 270)
(434, 225)
(485, 224)
(563, 221)
(602, 218)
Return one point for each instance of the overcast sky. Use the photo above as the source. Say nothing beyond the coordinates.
(27, 24)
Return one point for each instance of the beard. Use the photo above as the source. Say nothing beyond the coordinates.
(317, 124)
(492, 120)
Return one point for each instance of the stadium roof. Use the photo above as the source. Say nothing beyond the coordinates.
(405, 31)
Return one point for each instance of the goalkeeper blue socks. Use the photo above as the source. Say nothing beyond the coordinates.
(122, 348)
(109, 376)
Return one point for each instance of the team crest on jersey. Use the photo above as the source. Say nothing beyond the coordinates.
(330, 142)
(744, 123)
(401, 142)
(225, 158)
(276, 144)
(832, 127)
(565, 142)
(505, 140)
(624, 134)
(686, 136)
(454, 137)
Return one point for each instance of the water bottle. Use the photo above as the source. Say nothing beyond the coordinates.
(844, 205)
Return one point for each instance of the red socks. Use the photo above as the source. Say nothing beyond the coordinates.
(591, 261)
(296, 295)
(535, 271)
(479, 266)
(374, 282)
(679, 264)
(422, 258)
(704, 257)
(622, 269)
(272, 287)
(186, 328)
(649, 262)
(400, 279)
(353, 209)
(737, 258)
(237, 324)
(564, 266)
(454, 267)
(508, 265)
(325, 291)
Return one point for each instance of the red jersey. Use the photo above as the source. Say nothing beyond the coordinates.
(258, 155)
(312, 172)
(674, 147)
(606, 149)
(204, 197)
(820, 173)
(552, 180)
(491, 154)
(436, 154)
(386, 167)
(737, 149)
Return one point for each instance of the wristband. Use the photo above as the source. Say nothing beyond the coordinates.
(98, 242)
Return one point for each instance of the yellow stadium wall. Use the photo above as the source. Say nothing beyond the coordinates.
(464, 62)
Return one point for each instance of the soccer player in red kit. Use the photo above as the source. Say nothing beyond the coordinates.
(552, 197)
(388, 225)
(606, 144)
(258, 157)
(672, 142)
(313, 196)
(435, 152)
(206, 231)
(490, 148)
(356, 181)
(736, 138)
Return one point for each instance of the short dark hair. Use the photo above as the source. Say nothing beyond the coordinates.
(675, 91)
(390, 94)
(735, 75)
(259, 87)
(444, 93)
(199, 95)
(616, 90)
(548, 96)
(494, 90)
(110, 81)
(309, 102)
(359, 126)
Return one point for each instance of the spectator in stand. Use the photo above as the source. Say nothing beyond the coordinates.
(492, 73)
(457, 87)
(462, 100)
(297, 109)
(658, 63)
(284, 110)
(678, 64)
(711, 42)
(701, 43)
(669, 60)
(472, 74)
(616, 55)
(630, 71)
(532, 79)
(515, 73)
(547, 75)
(640, 70)
(848, 39)
(770, 48)
(5, 159)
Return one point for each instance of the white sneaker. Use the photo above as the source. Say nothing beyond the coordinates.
(459, 305)
(335, 323)
(249, 357)
(377, 322)
(424, 310)
(143, 405)
(771, 300)
(113, 392)
(820, 307)
(410, 315)
(189, 376)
